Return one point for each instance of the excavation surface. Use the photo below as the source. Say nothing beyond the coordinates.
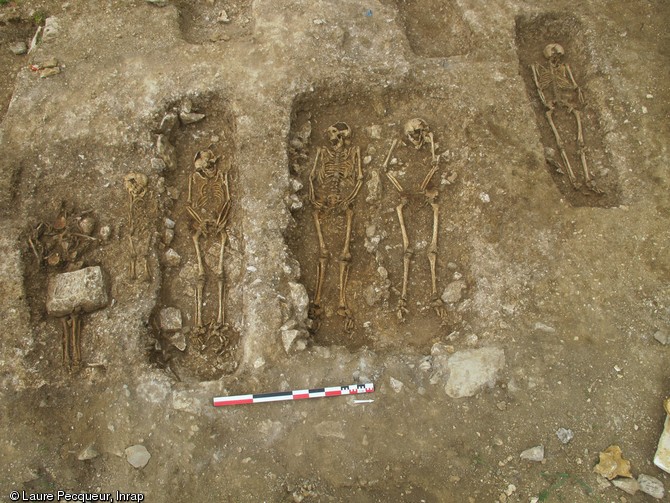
(190, 152)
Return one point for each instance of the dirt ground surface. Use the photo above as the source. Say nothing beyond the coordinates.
(548, 308)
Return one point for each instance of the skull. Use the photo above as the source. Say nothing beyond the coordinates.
(136, 184)
(417, 132)
(205, 163)
(553, 52)
(338, 134)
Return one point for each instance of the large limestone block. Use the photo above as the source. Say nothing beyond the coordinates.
(84, 289)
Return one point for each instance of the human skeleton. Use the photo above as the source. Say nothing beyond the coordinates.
(208, 206)
(136, 185)
(417, 135)
(557, 87)
(334, 183)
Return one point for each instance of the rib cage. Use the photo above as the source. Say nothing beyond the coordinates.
(555, 80)
(211, 197)
(336, 167)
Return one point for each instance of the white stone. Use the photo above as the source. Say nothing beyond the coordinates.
(374, 131)
(137, 456)
(473, 369)
(533, 454)
(541, 327)
(51, 28)
(630, 486)
(662, 336)
(662, 457)
(84, 289)
(396, 385)
(170, 319)
(374, 187)
(88, 453)
(288, 337)
(299, 299)
(565, 435)
(453, 292)
(190, 118)
(18, 48)
(172, 258)
(651, 486)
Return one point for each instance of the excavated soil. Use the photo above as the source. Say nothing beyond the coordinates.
(558, 297)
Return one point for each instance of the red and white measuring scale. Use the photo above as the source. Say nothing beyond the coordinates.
(298, 394)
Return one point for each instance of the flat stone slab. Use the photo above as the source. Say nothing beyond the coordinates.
(473, 369)
(84, 289)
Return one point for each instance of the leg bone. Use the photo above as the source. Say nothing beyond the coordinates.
(323, 261)
(201, 280)
(561, 147)
(407, 258)
(345, 261)
(590, 182)
(436, 301)
(220, 318)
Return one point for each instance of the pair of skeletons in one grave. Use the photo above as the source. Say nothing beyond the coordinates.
(208, 205)
(334, 183)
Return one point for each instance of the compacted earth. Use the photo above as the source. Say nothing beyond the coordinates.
(463, 203)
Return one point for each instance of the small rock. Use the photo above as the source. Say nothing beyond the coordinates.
(84, 289)
(190, 118)
(170, 319)
(288, 337)
(564, 435)
(105, 232)
(299, 299)
(87, 225)
(662, 336)
(223, 17)
(178, 340)
(137, 456)
(396, 385)
(473, 369)
(51, 28)
(168, 237)
(158, 3)
(169, 123)
(169, 223)
(425, 366)
(612, 464)
(49, 72)
(533, 454)
(453, 292)
(484, 197)
(158, 164)
(19, 48)
(662, 456)
(630, 486)
(375, 132)
(366, 160)
(651, 486)
(172, 258)
(88, 453)
(541, 327)
(373, 185)
(166, 151)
